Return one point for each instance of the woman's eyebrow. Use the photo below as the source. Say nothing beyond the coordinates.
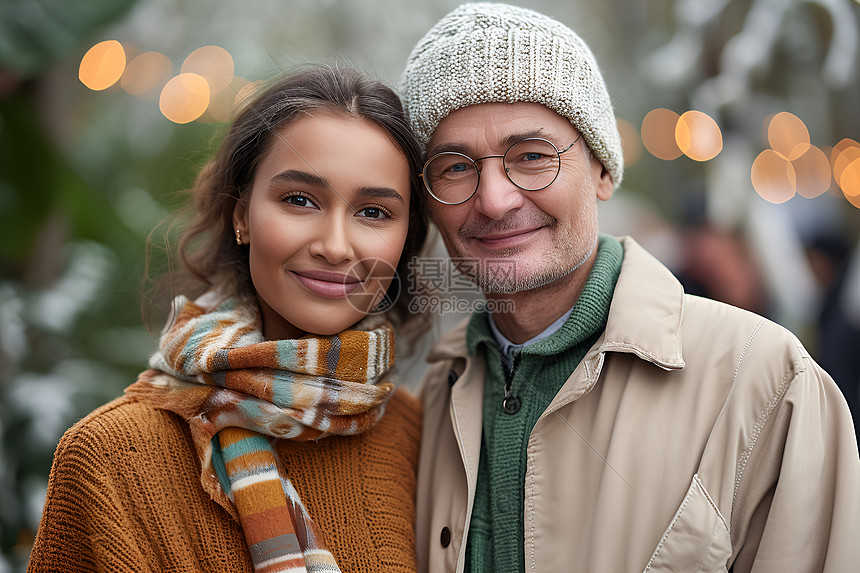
(314, 180)
(381, 193)
(297, 176)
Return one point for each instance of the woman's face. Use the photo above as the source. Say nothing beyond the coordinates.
(325, 222)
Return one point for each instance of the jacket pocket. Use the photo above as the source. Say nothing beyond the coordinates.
(697, 539)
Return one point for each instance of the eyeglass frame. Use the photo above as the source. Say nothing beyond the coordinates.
(505, 168)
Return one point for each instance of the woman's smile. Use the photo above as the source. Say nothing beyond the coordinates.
(327, 284)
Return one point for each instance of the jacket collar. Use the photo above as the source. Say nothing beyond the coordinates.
(644, 317)
(646, 311)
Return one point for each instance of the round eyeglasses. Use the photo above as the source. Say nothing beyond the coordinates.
(531, 164)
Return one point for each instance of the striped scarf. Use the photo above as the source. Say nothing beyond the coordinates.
(238, 390)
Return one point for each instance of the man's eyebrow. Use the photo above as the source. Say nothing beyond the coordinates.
(448, 147)
(515, 137)
(505, 143)
(296, 176)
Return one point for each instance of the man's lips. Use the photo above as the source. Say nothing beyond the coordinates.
(507, 238)
(327, 284)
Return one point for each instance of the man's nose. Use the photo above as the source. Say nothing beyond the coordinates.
(496, 194)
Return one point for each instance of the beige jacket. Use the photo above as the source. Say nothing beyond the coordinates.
(693, 436)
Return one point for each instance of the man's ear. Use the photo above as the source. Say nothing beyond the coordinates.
(240, 219)
(602, 180)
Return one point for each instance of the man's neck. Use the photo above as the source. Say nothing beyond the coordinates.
(534, 310)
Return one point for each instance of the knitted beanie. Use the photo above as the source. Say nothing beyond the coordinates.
(484, 52)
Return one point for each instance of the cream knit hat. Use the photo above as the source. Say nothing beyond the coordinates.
(483, 52)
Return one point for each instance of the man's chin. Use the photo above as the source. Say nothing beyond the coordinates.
(498, 283)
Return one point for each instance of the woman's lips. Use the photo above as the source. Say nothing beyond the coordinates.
(326, 284)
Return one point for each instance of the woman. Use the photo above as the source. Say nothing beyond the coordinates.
(256, 440)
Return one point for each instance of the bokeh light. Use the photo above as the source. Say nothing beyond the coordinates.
(850, 180)
(845, 160)
(787, 134)
(698, 136)
(146, 73)
(812, 170)
(213, 63)
(834, 189)
(184, 98)
(773, 177)
(102, 65)
(631, 145)
(246, 94)
(224, 102)
(658, 134)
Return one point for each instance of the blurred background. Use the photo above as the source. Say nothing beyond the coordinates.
(740, 121)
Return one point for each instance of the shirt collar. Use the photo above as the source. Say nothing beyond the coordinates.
(507, 347)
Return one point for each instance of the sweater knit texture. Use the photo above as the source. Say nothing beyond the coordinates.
(125, 494)
(495, 541)
(238, 391)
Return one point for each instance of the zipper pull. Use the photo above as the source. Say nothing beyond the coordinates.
(511, 404)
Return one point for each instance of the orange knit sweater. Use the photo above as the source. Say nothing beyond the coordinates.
(125, 495)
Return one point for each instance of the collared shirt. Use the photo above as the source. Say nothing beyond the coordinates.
(507, 348)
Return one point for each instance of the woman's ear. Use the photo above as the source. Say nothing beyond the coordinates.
(240, 221)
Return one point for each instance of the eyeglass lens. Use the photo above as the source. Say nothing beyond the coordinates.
(530, 164)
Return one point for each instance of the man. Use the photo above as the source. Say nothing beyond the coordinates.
(609, 423)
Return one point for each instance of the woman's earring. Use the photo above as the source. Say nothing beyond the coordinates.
(238, 237)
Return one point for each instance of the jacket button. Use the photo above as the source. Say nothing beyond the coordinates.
(445, 538)
(512, 405)
(452, 377)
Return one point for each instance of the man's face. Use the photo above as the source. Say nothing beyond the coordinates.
(541, 235)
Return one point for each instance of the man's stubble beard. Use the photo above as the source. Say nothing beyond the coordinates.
(552, 266)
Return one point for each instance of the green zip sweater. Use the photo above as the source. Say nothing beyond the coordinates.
(495, 541)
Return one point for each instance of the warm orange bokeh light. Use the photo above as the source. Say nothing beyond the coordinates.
(146, 73)
(102, 65)
(246, 94)
(631, 145)
(658, 134)
(213, 63)
(844, 159)
(850, 180)
(834, 186)
(223, 104)
(184, 98)
(787, 134)
(773, 177)
(698, 136)
(764, 125)
(813, 173)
